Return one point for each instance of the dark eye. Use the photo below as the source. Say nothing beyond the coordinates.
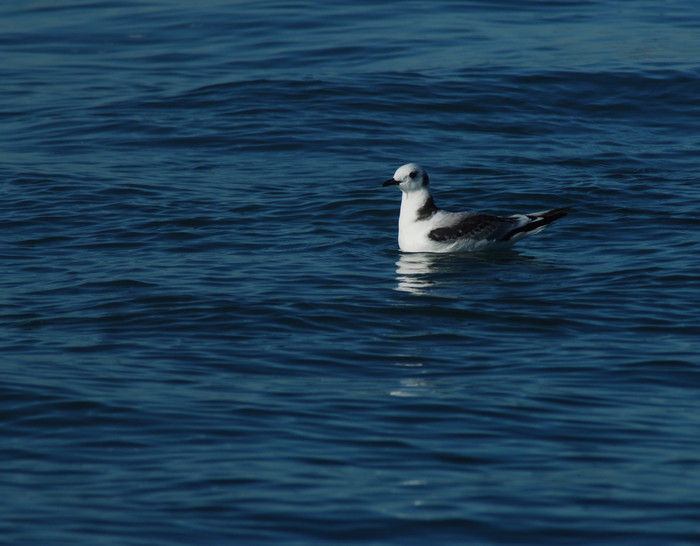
(413, 174)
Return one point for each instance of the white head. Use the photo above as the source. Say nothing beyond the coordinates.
(410, 177)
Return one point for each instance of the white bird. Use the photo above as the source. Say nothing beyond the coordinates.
(425, 228)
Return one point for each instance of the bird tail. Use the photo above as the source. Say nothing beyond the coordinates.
(537, 222)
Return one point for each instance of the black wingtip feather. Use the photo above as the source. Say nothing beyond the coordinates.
(539, 220)
(555, 214)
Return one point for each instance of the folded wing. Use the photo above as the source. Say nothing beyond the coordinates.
(496, 228)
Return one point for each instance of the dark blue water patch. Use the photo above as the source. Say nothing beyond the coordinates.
(672, 373)
(210, 335)
(473, 104)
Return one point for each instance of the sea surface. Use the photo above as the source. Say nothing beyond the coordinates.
(209, 336)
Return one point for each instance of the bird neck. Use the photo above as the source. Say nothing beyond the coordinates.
(417, 205)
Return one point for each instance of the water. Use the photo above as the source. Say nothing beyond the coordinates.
(209, 335)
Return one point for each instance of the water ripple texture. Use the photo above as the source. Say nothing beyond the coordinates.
(209, 335)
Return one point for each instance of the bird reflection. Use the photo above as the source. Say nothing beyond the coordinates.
(414, 272)
(420, 273)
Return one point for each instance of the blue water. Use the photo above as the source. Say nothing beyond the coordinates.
(209, 336)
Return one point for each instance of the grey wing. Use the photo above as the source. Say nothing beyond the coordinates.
(475, 226)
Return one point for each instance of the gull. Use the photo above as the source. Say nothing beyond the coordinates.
(423, 227)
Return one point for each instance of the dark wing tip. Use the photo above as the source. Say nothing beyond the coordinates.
(538, 220)
(555, 214)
